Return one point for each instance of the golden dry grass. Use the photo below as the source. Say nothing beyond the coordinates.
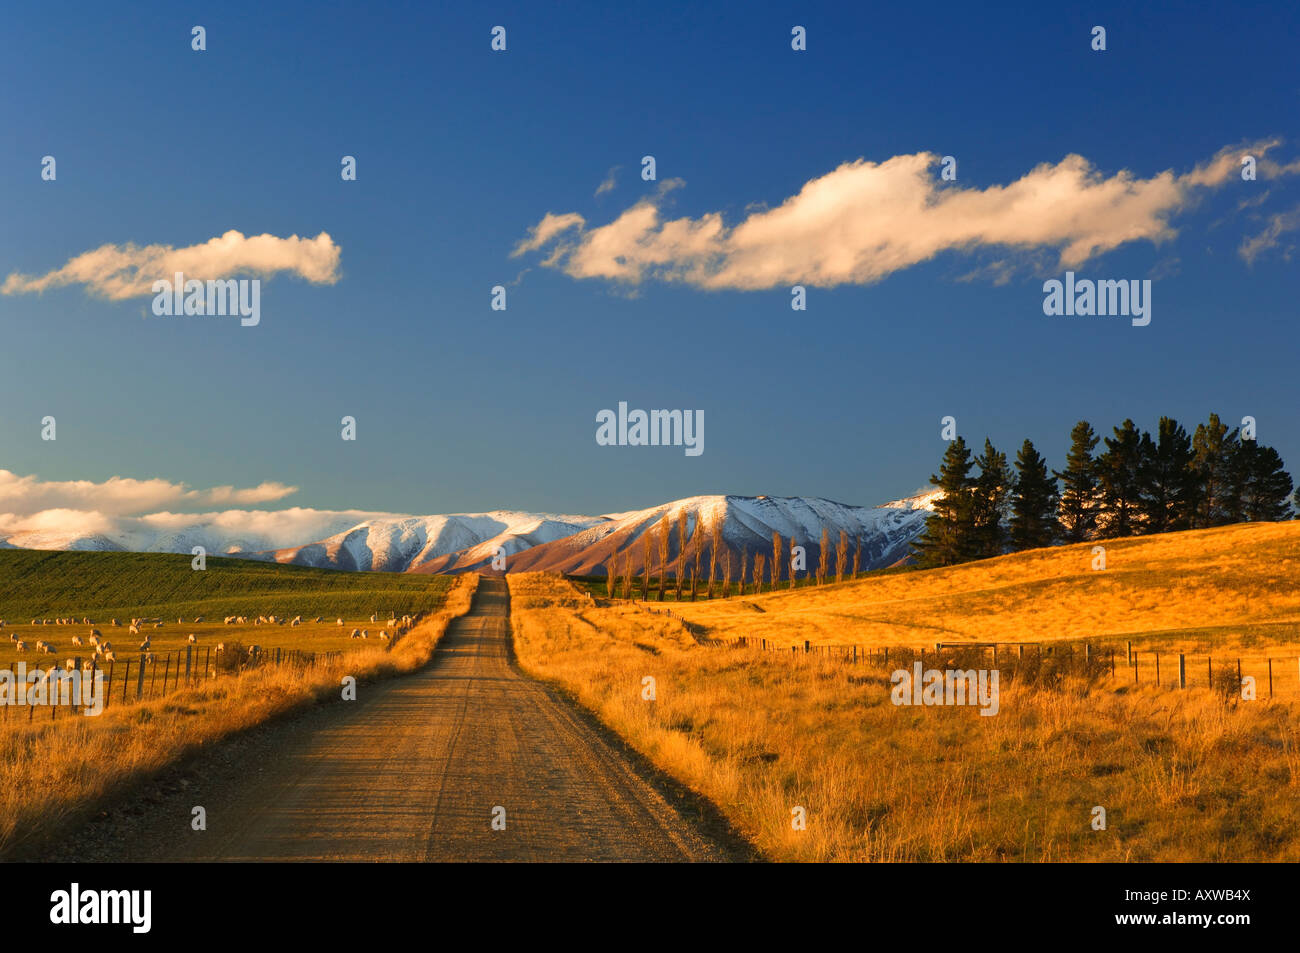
(1222, 590)
(54, 772)
(1183, 775)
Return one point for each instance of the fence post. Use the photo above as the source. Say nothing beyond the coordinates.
(1209, 670)
(167, 671)
(1112, 663)
(806, 648)
(189, 656)
(1135, 668)
(1087, 653)
(1021, 650)
(1130, 653)
(139, 679)
(1270, 678)
(1182, 670)
(1157, 669)
(126, 679)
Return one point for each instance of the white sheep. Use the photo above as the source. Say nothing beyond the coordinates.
(20, 646)
(340, 622)
(95, 634)
(109, 656)
(134, 630)
(76, 640)
(356, 634)
(198, 619)
(193, 639)
(297, 620)
(114, 623)
(365, 634)
(47, 648)
(145, 645)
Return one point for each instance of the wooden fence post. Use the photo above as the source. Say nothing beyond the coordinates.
(139, 679)
(189, 657)
(1182, 670)
(1157, 669)
(126, 679)
(1270, 678)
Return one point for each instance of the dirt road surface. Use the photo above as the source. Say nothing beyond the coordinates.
(413, 770)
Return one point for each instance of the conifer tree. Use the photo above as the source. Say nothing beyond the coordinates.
(1168, 479)
(992, 490)
(1033, 506)
(1080, 493)
(1213, 448)
(1261, 486)
(948, 529)
(1120, 472)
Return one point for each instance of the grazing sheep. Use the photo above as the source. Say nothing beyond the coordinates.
(134, 630)
(70, 664)
(340, 621)
(145, 645)
(109, 656)
(253, 650)
(13, 636)
(193, 639)
(221, 646)
(228, 620)
(157, 625)
(316, 620)
(104, 647)
(297, 620)
(20, 646)
(95, 633)
(198, 619)
(114, 623)
(356, 634)
(384, 636)
(47, 648)
(76, 640)
(88, 664)
(365, 634)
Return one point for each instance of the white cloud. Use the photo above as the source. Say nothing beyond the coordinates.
(22, 496)
(1253, 246)
(126, 271)
(865, 220)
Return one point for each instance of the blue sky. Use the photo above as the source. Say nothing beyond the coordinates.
(461, 151)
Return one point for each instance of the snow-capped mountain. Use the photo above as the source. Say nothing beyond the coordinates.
(357, 540)
(746, 526)
(432, 543)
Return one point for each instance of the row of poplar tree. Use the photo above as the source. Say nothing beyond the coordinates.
(1141, 483)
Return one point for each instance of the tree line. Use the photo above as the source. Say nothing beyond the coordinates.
(1140, 483)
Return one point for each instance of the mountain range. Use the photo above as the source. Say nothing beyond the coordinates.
(532, 541)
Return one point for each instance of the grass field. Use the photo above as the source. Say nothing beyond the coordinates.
(1183, 775)
(102, 586)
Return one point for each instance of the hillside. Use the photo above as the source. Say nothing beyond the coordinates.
(45, 584)
(1235, 583)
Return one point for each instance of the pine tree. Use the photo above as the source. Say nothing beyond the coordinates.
(1077, 509)
(1120, 470)
(947, 537)
(1168, 482)
(1033, 506)
(992, 489)
(1213, 448)
(1261, 486)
